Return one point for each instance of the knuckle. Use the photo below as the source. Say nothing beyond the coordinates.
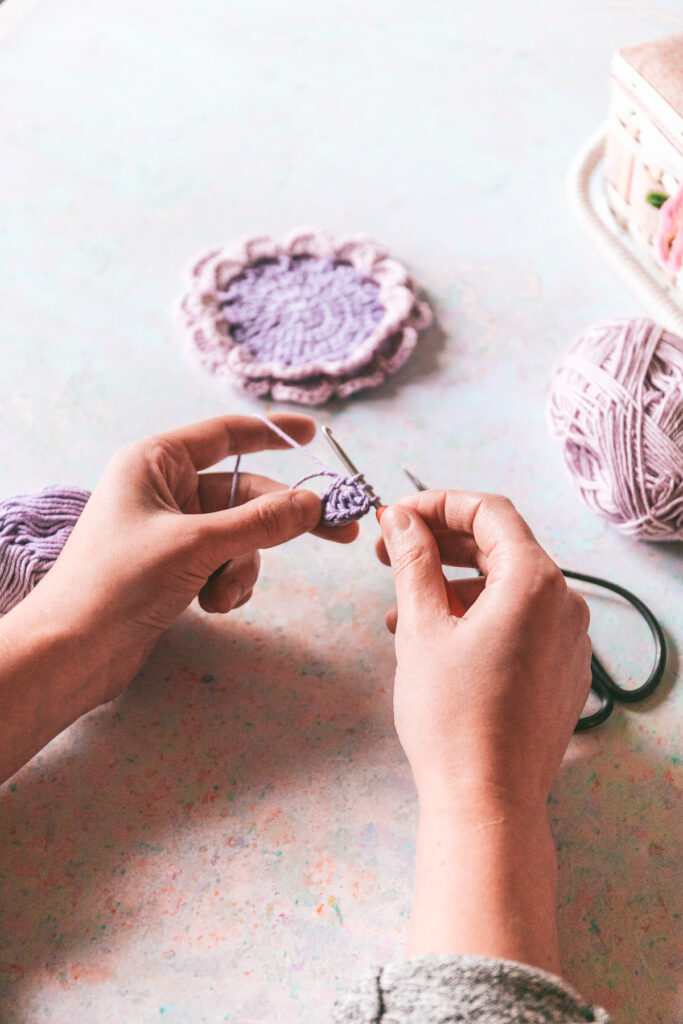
(498, 509)
(581, 609)
(407, 560)
(269, 519)
(546, 582)
(157, 451)
(155, 455)
(496, 502)
(125, 456)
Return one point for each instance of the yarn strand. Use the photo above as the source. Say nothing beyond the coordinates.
(345, 500)
(35, 527)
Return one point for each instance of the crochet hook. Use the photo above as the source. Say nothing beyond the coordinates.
(417, 483)
(456, 607)
(346, 462)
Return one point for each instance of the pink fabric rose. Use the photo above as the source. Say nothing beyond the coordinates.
(670, 237)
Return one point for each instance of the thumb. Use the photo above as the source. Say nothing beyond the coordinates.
(420, 592)
(263, 522)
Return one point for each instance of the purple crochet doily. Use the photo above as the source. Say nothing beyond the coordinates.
(305, 319)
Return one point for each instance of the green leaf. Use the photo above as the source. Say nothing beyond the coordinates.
(657, 199)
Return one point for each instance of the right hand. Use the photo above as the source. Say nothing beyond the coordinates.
(488, 701)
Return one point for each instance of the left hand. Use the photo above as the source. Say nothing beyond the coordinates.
(155, 531)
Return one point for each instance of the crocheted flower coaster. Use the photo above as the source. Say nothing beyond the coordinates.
(304, 319)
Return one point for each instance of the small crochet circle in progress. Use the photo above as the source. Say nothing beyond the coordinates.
(302, 320)
(616, 404)
(345, 499)
(33, 530)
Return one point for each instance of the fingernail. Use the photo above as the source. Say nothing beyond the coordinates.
(396, 518)
(233, 592)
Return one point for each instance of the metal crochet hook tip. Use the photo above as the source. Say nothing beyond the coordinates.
(417, 484)
(348, 464)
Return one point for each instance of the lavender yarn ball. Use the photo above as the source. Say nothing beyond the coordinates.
(616, 405)
(33, 530)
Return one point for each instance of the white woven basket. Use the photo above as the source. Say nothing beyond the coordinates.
(629, 252)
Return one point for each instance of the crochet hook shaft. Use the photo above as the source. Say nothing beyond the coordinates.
(455, 605)
(346, 462)
(417, 483)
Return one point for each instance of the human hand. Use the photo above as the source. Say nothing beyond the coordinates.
(156, 530)
(490, 699)
(484, 708)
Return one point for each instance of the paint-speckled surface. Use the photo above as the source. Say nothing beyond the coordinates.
(233, 838)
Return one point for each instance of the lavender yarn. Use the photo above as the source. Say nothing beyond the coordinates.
(33, 530)
(344, 500)
(297, 308)
(616, 404)
(306, 318)
(35, 527)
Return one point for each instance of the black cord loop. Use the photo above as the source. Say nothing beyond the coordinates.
(603, 686)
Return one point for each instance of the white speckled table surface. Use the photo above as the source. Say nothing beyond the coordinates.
(233, 838)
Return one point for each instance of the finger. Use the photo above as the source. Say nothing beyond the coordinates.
(214, 490)
(455, 548)
(226, 589)
(265, 521)
(467, 592)
(209, 441)
(247, 597)
(420, 592)
(339, 534)
(498, 529)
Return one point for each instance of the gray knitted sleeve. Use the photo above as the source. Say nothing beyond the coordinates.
(463, 990)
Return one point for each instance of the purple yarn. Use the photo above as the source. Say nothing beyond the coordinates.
(33, 530)
(617, 406)
(344, 500)
(303, 319)
(296, 308)
(35, 527)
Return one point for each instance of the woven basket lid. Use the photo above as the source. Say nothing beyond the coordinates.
(659, 63)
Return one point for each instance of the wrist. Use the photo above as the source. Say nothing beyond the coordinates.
(473, 798)
(492, 828)
(49, 674)
(486, 877)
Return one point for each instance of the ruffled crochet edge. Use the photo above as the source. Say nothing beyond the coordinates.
(384, 351)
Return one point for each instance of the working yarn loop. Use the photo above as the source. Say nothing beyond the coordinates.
(33, 530)
(616, 404)
(346, 499)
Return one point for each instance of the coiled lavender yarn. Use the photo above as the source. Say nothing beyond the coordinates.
(344, 500)
(616, 404)
(33, 530)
